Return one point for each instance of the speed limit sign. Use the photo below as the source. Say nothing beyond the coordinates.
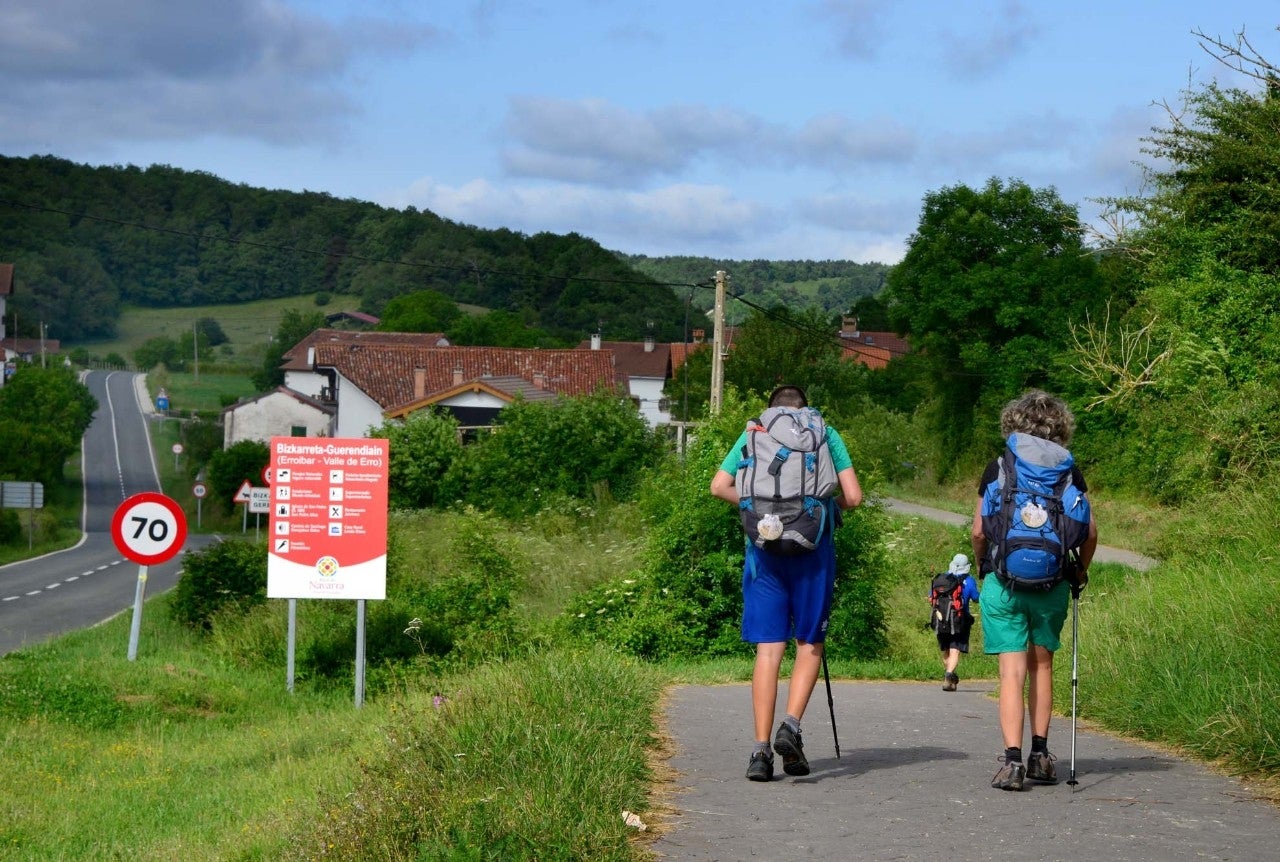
(149, 528)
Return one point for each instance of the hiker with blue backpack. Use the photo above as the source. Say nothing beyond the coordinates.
(1034, 531)
(949, 596)
(789, 474)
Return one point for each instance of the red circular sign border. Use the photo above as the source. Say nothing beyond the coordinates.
(117, 531)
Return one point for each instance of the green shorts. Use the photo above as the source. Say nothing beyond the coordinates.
(1013, 620)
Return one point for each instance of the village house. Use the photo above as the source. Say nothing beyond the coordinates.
(343, 383)
(646, 366)
(13, 349)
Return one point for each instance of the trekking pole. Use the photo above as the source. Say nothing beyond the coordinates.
(1075, 681)
(831, 704)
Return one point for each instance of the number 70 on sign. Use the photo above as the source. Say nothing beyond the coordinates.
(149, 528)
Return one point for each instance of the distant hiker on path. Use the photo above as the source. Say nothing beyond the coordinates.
(786, 473)
(949, 598)
(1033, 528)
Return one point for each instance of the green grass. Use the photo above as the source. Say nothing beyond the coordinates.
(249, 326)
(195, 751)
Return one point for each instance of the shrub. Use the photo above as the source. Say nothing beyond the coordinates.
(230, 468)
(579, 448)
(438, 617)
(686, 601)
(422, 449)
(10, 527)
(223, 576)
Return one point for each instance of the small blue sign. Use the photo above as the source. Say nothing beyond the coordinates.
(162, 403)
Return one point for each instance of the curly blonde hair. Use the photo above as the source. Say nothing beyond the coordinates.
(1039, 414)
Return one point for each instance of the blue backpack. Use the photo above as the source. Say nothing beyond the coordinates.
(1033, 516)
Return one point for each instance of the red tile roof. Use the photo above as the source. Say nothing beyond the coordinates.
(873, 357)
(889, 341)
(386, 372)
(631, 358)
(296, 358)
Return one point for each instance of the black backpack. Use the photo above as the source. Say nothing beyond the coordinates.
(948, 609)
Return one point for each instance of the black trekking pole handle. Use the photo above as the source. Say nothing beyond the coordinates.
(831, 704)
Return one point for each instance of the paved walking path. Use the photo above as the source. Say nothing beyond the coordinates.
(1104, 554)
(913, 783)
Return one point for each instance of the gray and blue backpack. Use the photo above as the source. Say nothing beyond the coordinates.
(786, 475)
(1033, 516)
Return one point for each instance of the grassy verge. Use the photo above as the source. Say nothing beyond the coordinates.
(195, 752)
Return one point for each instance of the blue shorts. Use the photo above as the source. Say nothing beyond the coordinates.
(786, 597)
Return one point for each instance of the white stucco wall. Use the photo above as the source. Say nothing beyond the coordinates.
(649, 391)
(306, 382)
(271, 416)
(357, 412)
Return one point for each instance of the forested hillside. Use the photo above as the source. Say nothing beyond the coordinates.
(831, 286)
(88, 239)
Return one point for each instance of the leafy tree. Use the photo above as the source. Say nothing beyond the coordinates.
(211, 332)
(423, 447)
(161, 350)
(294, 326)
(991, 283)
(1185, 381)
(43, 414)
(499, 329)
(231, 467)
(421, 311)
(66, 287)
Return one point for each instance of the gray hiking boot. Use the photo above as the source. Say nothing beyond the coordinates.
(950, 681)
(1010, 776)
(1040, 767)
(787, 743)
(760, 768)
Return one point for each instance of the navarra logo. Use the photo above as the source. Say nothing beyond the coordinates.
(327, 567)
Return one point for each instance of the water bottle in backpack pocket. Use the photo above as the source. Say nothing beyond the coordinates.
(786, 480)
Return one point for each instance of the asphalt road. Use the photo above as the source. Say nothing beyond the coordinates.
(92, 582)
(913, 782)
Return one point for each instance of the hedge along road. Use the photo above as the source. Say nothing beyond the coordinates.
(913, 782)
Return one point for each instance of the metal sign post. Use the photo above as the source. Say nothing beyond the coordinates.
(147, 528)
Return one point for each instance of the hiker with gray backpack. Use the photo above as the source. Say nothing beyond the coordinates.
(789, 474)
(1034, 531)
(949, 596)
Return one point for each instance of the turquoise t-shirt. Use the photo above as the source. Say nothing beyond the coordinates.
(839, 453)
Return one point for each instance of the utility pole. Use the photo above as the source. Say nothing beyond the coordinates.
(195, 347)
(717, 344)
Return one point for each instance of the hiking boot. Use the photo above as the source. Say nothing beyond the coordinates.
(1040, 767)
(950, 681)
(760, 768)
(787, 743)
(1010, 776)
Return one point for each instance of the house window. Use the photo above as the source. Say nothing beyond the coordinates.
(664, 405)
(298, 431)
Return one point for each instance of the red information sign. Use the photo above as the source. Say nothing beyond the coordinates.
(328, 519)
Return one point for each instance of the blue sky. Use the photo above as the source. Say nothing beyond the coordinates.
(741, 130)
